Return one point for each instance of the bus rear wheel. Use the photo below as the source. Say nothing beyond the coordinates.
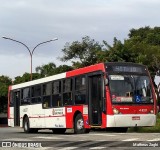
(26, 125)
(27, 128)
(79, 125)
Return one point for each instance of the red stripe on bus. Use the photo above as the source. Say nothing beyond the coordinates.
(46, 116)
(84, 70)
(42, 117)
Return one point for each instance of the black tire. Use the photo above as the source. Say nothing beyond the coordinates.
(26, 125)
(79, 125)
(59, 130)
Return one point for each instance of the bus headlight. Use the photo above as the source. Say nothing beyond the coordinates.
(115, 111)
(151, 111)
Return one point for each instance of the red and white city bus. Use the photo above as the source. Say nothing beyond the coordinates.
(104, 95)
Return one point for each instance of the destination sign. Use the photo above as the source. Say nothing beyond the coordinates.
(126, 69)
(129, 69)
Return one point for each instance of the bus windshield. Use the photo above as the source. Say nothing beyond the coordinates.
(130, 89)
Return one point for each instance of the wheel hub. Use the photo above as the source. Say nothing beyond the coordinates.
(80, 124)
(26, 126)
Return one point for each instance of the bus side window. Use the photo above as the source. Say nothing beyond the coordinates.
(80, 90)
(36, 94)
(47, 89)
(56, 94)
(25, 96)
(67, 92)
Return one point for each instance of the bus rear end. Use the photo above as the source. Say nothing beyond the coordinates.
(131, 100)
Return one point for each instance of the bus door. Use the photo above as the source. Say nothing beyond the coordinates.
(16, 108)
(95, 100)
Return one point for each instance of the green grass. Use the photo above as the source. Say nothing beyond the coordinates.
(154, 129)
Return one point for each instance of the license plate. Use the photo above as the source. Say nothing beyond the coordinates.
(136, 118)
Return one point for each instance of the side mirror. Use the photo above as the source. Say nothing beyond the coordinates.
(106, 82)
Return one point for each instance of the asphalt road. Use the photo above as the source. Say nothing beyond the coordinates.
(15, 138)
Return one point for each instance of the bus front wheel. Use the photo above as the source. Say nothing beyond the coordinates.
(79, 125)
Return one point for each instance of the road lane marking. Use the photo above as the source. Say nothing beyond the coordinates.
(49, 138)
(16, 139)
(134, 139)
(68, 148)
(39, 148)
(103, 134)
(156, 139)
(97, 147)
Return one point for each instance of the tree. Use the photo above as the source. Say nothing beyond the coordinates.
(51, 69)
(146, 35)
(145, 42)
(26, 77)
(63, 68)
(84, 53)
(142, 46)
(119, 52)
(46, 70)
(4, 84)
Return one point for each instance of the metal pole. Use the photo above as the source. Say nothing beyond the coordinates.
(30, 52)
(31, 67)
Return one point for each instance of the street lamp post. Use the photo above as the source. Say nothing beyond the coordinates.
(30, 51)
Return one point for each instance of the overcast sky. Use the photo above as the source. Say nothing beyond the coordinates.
(35, 21)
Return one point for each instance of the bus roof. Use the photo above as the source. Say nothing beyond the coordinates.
(38, 81)
(68, 74)
(72, 73)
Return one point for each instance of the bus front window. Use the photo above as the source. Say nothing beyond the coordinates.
(143, 90)
(130, 89)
